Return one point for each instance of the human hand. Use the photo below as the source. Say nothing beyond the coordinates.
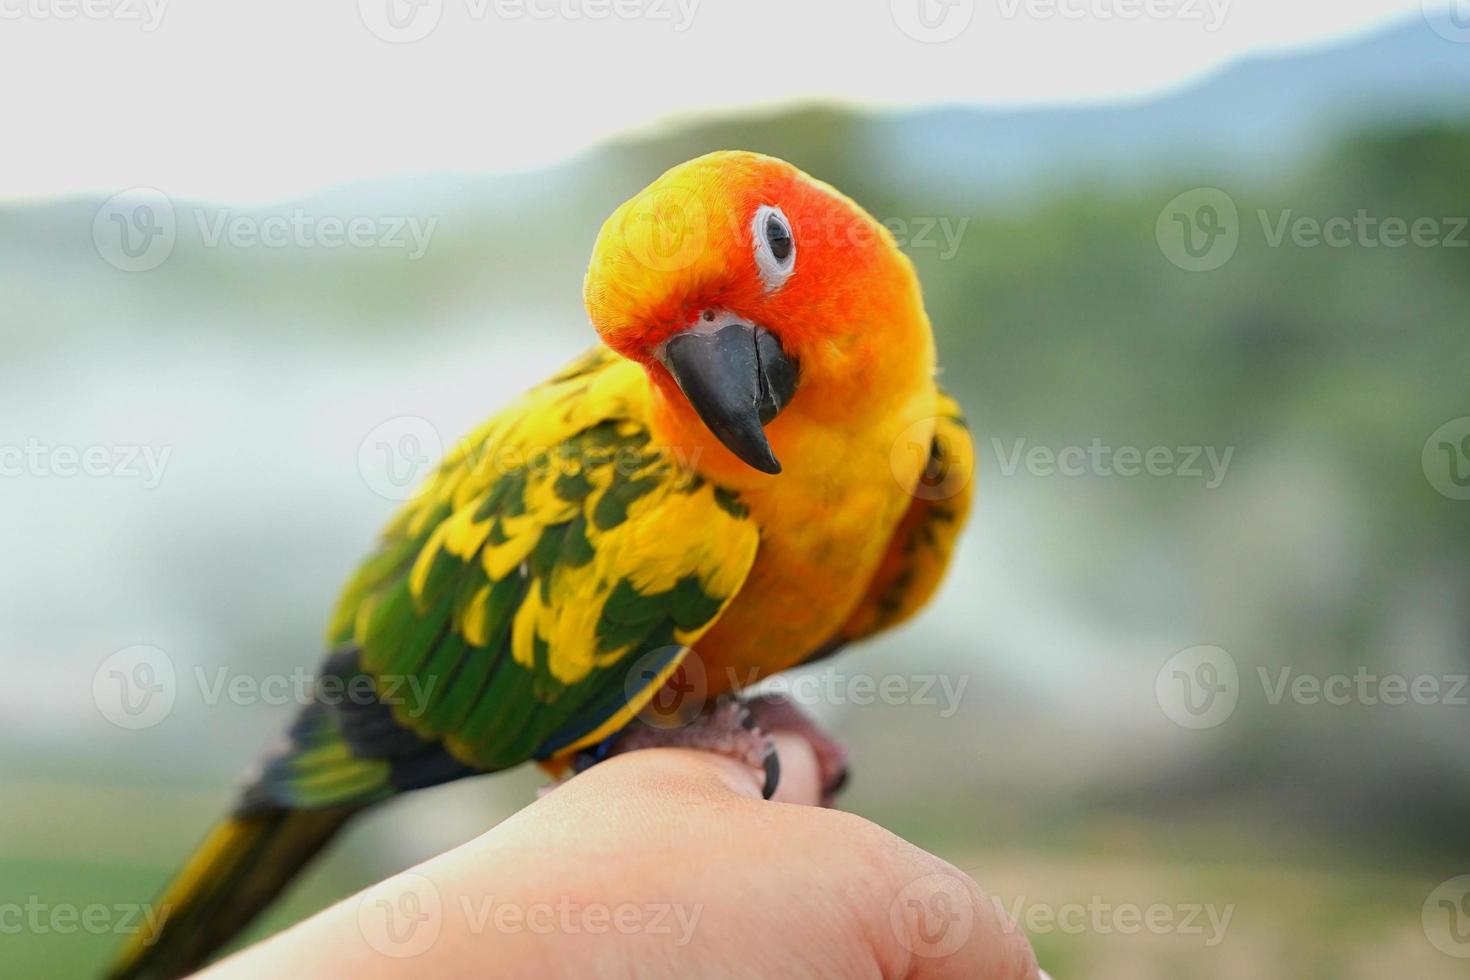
(665, 864)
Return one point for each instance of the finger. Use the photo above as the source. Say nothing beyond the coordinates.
(686, 772)
(801, 773)
(947, 928)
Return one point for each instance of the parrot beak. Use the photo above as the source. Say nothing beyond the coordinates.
(737, 379)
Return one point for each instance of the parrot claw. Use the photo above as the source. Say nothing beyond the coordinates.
(728, 728)
(776, 713)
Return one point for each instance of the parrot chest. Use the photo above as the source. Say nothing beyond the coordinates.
(819, 550)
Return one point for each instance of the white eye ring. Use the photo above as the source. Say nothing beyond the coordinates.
(774, 271)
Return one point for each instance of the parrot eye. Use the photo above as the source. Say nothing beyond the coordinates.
(775, 249)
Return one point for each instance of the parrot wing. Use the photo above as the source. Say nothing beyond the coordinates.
(922, 544)
(550, 576)
(527, 602)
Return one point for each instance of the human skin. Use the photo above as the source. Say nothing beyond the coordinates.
(664, 864)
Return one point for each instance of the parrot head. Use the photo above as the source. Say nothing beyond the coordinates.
(744, 286)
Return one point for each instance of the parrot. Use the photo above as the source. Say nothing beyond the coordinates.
(753, 468)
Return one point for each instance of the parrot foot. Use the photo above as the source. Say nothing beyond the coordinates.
(776, 713)
(726, 728)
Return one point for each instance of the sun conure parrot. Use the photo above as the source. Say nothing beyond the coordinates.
(754, 468)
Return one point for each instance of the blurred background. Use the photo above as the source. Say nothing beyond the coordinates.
(1203, 649)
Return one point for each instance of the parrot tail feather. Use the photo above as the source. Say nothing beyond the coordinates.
(242, 865)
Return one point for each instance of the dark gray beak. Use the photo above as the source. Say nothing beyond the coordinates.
(737, 378)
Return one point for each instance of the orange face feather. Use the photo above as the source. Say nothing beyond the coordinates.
(849, 311)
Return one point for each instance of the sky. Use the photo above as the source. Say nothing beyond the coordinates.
(257, 101)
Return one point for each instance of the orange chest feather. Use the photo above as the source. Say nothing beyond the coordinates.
(823, 535)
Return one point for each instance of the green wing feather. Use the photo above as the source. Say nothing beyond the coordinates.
(554, 549)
